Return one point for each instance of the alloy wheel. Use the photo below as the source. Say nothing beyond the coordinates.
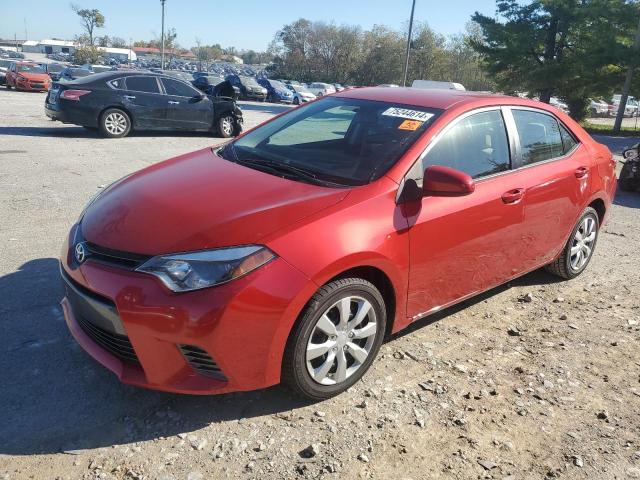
(115, 123)
(341, 340)
(227, 126)
(583, 242)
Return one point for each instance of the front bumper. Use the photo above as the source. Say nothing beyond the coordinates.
(242, 326)
(32, 86)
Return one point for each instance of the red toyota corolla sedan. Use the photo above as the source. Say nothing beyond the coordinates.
(289, 253)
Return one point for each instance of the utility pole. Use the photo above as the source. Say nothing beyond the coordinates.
(627, 85)
(406, 56)
(162, 2)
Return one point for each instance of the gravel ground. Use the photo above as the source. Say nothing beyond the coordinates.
(535, 379)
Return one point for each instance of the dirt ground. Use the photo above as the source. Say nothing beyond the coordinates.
(536, 379)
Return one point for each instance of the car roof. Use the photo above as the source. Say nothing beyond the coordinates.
(431, 98)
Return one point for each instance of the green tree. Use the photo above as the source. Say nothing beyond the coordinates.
(87, 54)
(571, 48)
(90, 20)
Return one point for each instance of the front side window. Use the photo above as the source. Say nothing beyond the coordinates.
(143, 84)
(477, 145)
(539, 135)
(338, 140)
(176, 87)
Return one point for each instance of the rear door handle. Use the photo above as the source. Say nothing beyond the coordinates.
(581, 172)
(129, 97)
(513, 196)
(171, 102)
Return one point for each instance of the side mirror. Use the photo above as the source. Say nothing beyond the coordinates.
(199, 97)
(446, 182)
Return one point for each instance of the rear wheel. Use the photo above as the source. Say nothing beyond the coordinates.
(115, 123)
(8, 86)
(296, 101)
(579, 249)
(336, 339)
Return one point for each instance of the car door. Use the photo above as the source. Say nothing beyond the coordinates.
(188, 108)
(557, 174)
(461, 245)
(145, 101)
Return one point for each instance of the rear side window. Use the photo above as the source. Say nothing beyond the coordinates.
(476, 145)
(175, 87)
(118, 83)
(568, 141)
(143, 84)
(539, 134)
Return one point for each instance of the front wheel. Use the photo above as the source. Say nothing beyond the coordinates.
(115, 123)
(296, 101)
(225, 126)
(335, 340)
(578, 250)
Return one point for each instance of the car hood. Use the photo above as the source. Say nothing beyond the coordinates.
(34, 76)
(199, 201)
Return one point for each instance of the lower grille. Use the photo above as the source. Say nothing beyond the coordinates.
(201, 362)
(119, 345)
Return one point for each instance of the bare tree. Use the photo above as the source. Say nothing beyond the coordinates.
(90, 19)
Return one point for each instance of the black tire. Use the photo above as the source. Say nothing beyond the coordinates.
(120, 114)
(626, 182)
(8, 86)
(224, 129)
(561, 266)
(294, 367)
(296, 101)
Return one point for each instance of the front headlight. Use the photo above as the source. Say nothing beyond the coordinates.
(184, 272)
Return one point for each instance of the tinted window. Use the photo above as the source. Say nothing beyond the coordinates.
(31, 68)
(174, 87)
(117, 83)
(568, 142)
(342, 140)
(476, 145)
(143, 84)
(539, 136)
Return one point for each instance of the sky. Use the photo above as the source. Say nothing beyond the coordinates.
(245, 24)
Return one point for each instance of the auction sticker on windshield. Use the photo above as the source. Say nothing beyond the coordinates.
(408, 114)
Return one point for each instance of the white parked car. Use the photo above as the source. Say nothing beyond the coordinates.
(630, 110)
(301, 94)
(432, 84)
(598, 107)
(319, 89)
(559, 104)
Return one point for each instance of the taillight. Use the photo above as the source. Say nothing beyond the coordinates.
(74, 94)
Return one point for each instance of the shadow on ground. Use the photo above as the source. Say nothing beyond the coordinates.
(56, 398)
(627, 199)
(81, 132)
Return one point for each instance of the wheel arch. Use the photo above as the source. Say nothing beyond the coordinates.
(119, 107)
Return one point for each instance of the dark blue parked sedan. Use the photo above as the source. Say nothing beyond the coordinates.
(277, 91)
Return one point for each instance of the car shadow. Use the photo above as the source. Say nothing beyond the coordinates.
(80, 132)
(535, 278)
(56, 398)
(627, 199)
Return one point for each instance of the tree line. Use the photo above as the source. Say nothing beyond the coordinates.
(323, 52)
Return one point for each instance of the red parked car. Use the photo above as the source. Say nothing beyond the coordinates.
(289, 253)
(27, 76)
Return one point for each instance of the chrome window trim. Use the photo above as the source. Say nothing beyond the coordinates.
(115, 80)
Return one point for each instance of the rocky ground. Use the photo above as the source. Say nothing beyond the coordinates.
(536, 379)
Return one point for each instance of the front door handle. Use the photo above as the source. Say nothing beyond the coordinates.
(129, 97)
(581, 172)
(171, 102)
(513, 196)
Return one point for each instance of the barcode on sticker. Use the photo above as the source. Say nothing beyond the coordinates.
(409, 114)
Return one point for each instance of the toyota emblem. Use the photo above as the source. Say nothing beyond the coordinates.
(80, 253)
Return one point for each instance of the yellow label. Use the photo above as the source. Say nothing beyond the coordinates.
(410, 125)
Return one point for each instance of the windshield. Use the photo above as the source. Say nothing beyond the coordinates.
(251, 82)
(5, 63)
(79, 72)
(277, 85)
(338, 140)
(54, 67)
(31, 68)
